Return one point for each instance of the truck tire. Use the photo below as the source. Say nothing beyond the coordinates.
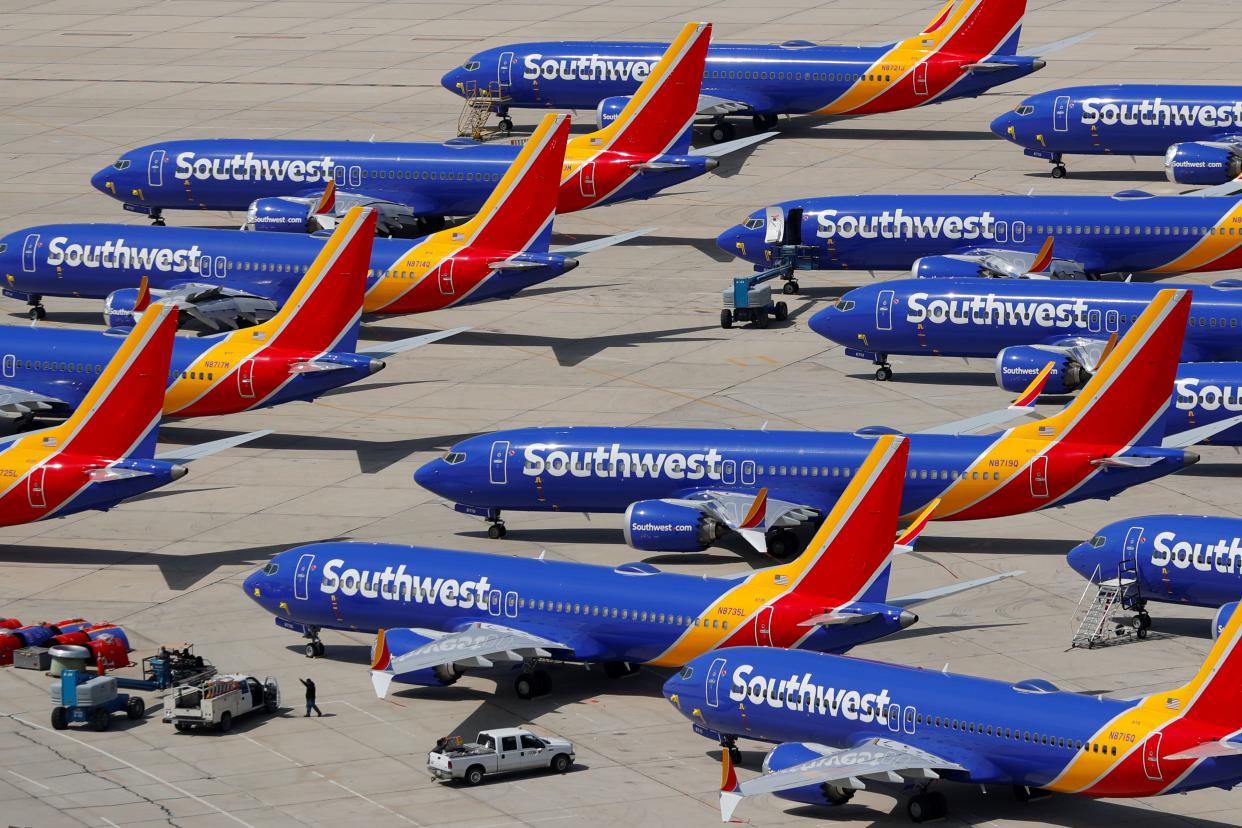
(60, 719)
(100, 719)
(226, 721)
(474, 775)
(135, 708)
(560, 763)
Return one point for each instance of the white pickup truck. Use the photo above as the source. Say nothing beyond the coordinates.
(219, 700)
(498, 751)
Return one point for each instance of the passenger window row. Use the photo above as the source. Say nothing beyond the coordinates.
(424, 175)
(830, 77)
(63, 367)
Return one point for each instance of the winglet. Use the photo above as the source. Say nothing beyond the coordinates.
(1028, 397)
(758, 513)
(381, 656)
(1043, 259)
(729, 796)
(907, 538)
(327, 202)
(144, 296)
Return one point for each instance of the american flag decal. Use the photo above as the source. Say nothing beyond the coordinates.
(1172, 703)
(782, 580)
(1047, 431)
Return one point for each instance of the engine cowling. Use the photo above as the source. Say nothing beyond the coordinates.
(660, 526)
(401, 641)
(119, 308)
(609, 109)
(795, 753)
(1016, 366)
(279, 215)
(1223, 615)
(1201, 163)
(945, 267)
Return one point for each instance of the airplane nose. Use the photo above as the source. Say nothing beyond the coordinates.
(1086, 560)
(1002, 127)
(454, 80)
(250, 586)
(427, 474)
(671, 691)
(732, 241)
(102, 181)
(829, 323)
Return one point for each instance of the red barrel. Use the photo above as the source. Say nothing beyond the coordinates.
(9, 623)
(109, 629)
(78, 637)
(8, 643)
(109, 650)
(73, 625)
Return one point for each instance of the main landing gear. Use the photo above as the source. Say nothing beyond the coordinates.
(314, 648)
(764, 122)
(531, 683)
(927, 805)
(782, 543)
(37, 311)
(721, 131)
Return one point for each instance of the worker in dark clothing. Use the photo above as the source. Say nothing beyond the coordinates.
(310, 697)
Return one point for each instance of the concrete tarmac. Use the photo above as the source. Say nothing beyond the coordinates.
(629, 338)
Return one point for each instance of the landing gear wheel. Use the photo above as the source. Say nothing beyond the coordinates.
(722, 131)
(883, 373)
(506, 125)
(60, 719)
(726, 319)
(791, 288)
(135, 708)
(37, 313)
(100, 719)
(319, 649)
(764, 122)
(782, 543)
(1059, 171)
(927, 806)
(782, 312)
(1142, 623)
(735, 754)
(529, 685)
(496, 531)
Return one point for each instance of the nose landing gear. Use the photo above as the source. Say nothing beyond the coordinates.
(884, 372)
(37, 311)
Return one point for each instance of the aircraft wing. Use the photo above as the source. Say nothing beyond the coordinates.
(391, 215)
(1024, 404)
(582, 248)
(1002, 263)
(714, 105)
(750, 515)
(1190, 437)
(883, 759)
(224, 305)
(187, 454)
(478, 645)
(383, 350)
(17, 402)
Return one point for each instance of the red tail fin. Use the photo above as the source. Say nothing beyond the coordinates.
(984, 27)
(663, 108)
(518, 214)
(323, 311)
(852, 545)
(119, 414)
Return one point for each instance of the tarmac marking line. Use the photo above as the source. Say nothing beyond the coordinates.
(31, 781)
(373, 802)
(272, 751)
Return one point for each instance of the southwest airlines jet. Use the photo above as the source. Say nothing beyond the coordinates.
(838, 721)
(226, 279)
(282, 183)
(104, 452)
(439, 612)
(1169, 559)
(682, 489)
(307, 349)
(1198, 129)
(1011, 236)
(968, 48)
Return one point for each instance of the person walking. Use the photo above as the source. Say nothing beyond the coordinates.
(310, 697)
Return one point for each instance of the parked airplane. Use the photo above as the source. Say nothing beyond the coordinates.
(439, 612)
(682, 489)
(839, 721)
(307, 349)
(1007, 236)
(1171, 559)
(1198, 129)
(225, 278)
(281, 183)
(104, 452)
(962, 53)
(1023, 324)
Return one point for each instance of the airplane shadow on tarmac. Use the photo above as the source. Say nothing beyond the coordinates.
(991, 546)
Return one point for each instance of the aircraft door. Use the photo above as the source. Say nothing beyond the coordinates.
(1093, 321)
(586, 180)
(498, 470)
(775, 226)
(245, 380)
(301, 576)
(1060, 114)
(884, 310)
(711, 693)
(155, 169)
(1151, 757)
(763, 627)
(793, 226)
(894, 718)
(1001, 233)
(748, 472)
(493, 602)
(34, 488)
(504, 70)
(10, 365)
(728, 472)
(1039, 476)
(338, 175)
(511, 605)
(920, 80)
(910, 717)
(444, 275)
(355, 176)
(1111, 321)
(29, 247)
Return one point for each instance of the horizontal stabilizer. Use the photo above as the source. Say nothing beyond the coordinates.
(186, 454)
(714, 105)
(988, 67)
(591, 246)
(387, 349)
(311, 366)
(1058, 45)
(834, 619)
(1123, 461)
(721, 150)
(1208, 750)
(1201, 433)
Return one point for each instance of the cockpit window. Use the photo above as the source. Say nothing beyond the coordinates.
(686, 672)
(3, 248)
(1098, 541)
(121, 164)
(1024, 109)
(471, 65)
(847, 305)
(753, 224)
(271, 569)
(455, 457)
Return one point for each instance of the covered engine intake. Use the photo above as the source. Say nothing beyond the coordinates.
(281, 215)
(1202, 163)
(660, 526)
(946, 267)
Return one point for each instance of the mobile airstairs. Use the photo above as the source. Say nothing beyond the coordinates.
(1099, 620)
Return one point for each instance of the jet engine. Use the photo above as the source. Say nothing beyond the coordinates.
(946, 267)
(609, 109)
(1223, 615)
(119, 308)
(281, 215)
(401, 641)
(795, 753)
(660, 526)
(1016, 366)
(1202, 163)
